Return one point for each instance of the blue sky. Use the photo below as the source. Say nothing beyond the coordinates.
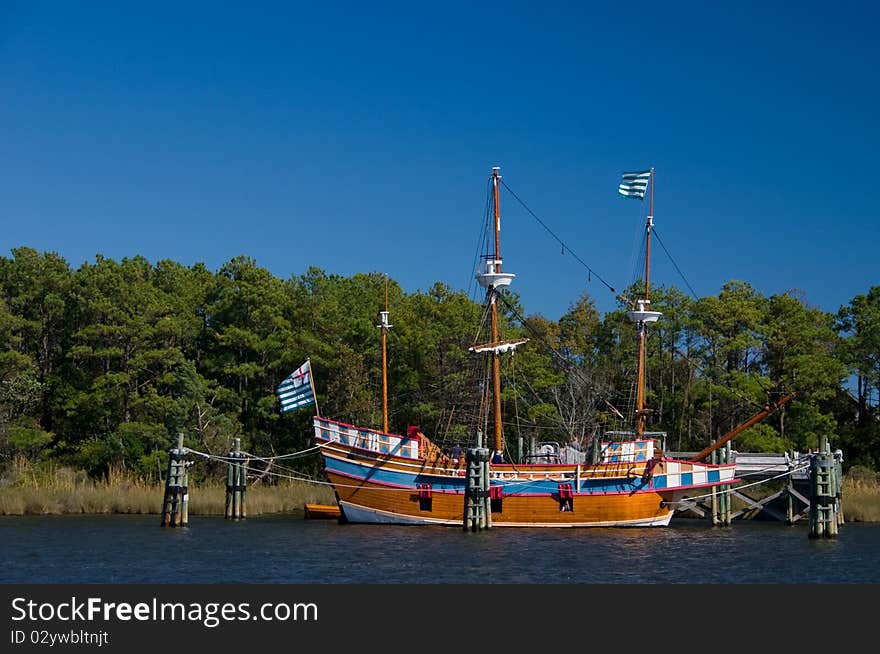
(358, 137)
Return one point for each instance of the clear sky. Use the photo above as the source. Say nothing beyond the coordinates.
(359, 137)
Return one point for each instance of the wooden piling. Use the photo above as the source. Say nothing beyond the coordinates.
(169, 499)
(477, 505)
(236, 489)
(230, 485)
(789, 494)
(823, 494)
(184, 484)
(484, 491)
(175, 511)
(838, 476)
(243, 467)
(721, 513)
(236, 483)
(726, 512)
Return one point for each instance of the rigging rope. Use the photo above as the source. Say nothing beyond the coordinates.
(637, 262)
(576, 372)
(559, 240)
(484, 237)
(515, 403)
(681, 274)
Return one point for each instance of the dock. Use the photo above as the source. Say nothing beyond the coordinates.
(788, 504)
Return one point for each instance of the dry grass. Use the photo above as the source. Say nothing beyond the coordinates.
(860, 499)
(60, 491)
(288, 497)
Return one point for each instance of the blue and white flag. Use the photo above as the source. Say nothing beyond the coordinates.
(296, 391)
(634, 184)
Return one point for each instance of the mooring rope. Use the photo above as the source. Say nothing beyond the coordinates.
(292, 455)
(295, 477)
(227, 459)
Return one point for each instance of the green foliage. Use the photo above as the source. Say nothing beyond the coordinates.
(101, 367)
(28, 441)
(859, 351)
(761, 438)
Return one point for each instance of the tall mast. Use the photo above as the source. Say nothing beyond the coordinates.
(496, 362)
(491, 278)
(384, 326)
(648, 224)
(643, 316)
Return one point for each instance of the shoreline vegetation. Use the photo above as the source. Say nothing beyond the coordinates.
(65, 494)
(104, 365)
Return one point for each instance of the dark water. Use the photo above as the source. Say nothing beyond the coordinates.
(288, 549)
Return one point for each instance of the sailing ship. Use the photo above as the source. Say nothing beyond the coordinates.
(383, 477)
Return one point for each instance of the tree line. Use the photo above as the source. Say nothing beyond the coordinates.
(103, 365)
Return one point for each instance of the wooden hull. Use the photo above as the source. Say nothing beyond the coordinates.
(395, 487)
(370, 503)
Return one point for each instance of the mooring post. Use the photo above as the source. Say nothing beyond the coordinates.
(836, 482)
(478, 491)
(470, 505)
(478, 484)
(183, 466)
(484, 492)
(230, 483)
(833, 491)
(236, 480)
(728, 458)
(722, 495)
(170, 488)
(838, 469)
(816, 527)
(477, 506)
(789, 487)
(823, 517)
(236, 493)
(242, 481)
(171, 509)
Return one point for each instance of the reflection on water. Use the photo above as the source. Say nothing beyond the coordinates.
(288, 549)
